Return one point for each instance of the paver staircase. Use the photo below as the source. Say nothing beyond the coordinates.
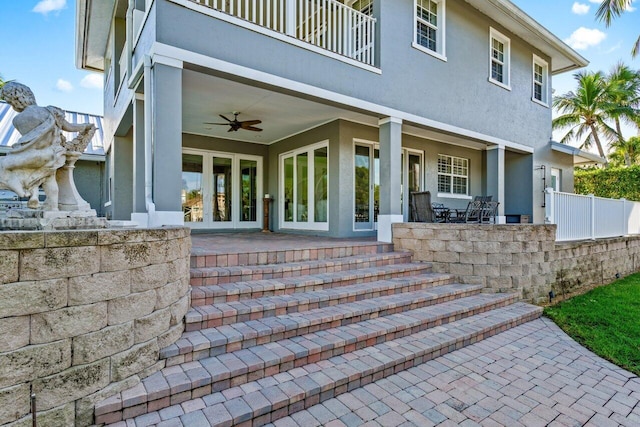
(290, 329)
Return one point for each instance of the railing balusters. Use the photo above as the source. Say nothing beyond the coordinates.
(328, 24)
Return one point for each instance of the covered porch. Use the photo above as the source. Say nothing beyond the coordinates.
(325, 164)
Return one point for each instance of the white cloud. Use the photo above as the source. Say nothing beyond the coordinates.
(580, 8)
(64, 86)
(46, 6)
(583, 38)
(92, 81)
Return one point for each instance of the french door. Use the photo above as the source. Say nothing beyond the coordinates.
(304, 188)
(366, 184)
(221, 190)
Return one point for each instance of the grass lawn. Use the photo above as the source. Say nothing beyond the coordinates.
(606, 320)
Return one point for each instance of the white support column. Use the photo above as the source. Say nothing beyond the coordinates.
(495, 178)
(390, 129)
(163, 143)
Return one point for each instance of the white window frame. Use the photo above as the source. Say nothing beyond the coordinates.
(295, 224)
(440, 52)
(506, 63)
(544, 85)
(450, 194)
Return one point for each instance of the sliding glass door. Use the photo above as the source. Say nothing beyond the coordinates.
(221, 190)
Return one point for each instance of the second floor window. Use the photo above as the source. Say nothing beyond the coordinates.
(430, 23)
(540, 77)
(453, 175)
(499, 59)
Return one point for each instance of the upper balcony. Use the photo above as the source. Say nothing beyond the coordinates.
(328, 24)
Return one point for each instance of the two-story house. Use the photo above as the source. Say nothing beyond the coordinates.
(336, 109)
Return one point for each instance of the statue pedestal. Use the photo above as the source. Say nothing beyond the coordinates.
(31, 219)
(68, 197)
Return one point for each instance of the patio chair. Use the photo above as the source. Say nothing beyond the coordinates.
(482, 198)
(473, 213)
(421, 209)
(489, 212)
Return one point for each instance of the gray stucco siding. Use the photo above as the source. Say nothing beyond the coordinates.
(455, 92)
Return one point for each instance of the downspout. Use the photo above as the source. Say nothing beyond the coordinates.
(148, 142)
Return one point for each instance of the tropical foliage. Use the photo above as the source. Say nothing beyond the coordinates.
(611, 9)
(594, 113)
(625, 152)
(613, 182)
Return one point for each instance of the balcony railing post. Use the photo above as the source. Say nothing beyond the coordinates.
(291, 6)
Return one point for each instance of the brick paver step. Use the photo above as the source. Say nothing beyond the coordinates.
(213, 341)
(258, 308)
(202, 276)
(273, 397)
(207, 257)
(204, 295)
(286, 325)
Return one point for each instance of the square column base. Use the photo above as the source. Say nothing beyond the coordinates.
(384, 227)
(157, 218)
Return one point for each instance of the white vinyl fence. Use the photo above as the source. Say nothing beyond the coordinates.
(328, 24)
(581, 217)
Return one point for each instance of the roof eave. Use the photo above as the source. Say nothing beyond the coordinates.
(580, 157)
(517, 21)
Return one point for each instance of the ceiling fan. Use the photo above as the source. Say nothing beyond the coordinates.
(237, 124)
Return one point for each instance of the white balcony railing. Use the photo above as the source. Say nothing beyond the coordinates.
(581, 217)
(328, 24)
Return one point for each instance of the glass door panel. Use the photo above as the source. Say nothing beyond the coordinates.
(192, 188)
(321, 186)
(362, 174)
(288, 189)
(249, 190)
(302, 187)
(222, 189)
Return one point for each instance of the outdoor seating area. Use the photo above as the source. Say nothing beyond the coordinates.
(481, 210)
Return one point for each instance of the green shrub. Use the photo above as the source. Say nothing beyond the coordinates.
(613, 183)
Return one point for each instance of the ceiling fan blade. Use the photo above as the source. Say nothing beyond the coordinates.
(250, 123)
(232, 129)
(225, 118)
(221, 124)
(252, 128)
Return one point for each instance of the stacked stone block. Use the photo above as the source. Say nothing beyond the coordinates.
(504, 258)
(582, 265)
(83, 315)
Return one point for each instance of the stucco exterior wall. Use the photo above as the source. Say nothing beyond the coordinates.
(83, 315)
(411, 80)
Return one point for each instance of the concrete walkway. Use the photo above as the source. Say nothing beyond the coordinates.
(532, 375)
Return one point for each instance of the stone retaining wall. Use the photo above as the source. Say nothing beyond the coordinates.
(83, 315)
(522, 258)
(582, 265)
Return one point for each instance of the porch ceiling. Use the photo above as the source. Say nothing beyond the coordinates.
(205, 97)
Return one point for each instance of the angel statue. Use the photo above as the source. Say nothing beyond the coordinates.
(42, 156)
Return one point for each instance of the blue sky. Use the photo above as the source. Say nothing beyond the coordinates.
(38, 46)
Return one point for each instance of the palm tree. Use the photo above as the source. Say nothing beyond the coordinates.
(610, 9)
(627, 152)
(586, 111)
(624, 91)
